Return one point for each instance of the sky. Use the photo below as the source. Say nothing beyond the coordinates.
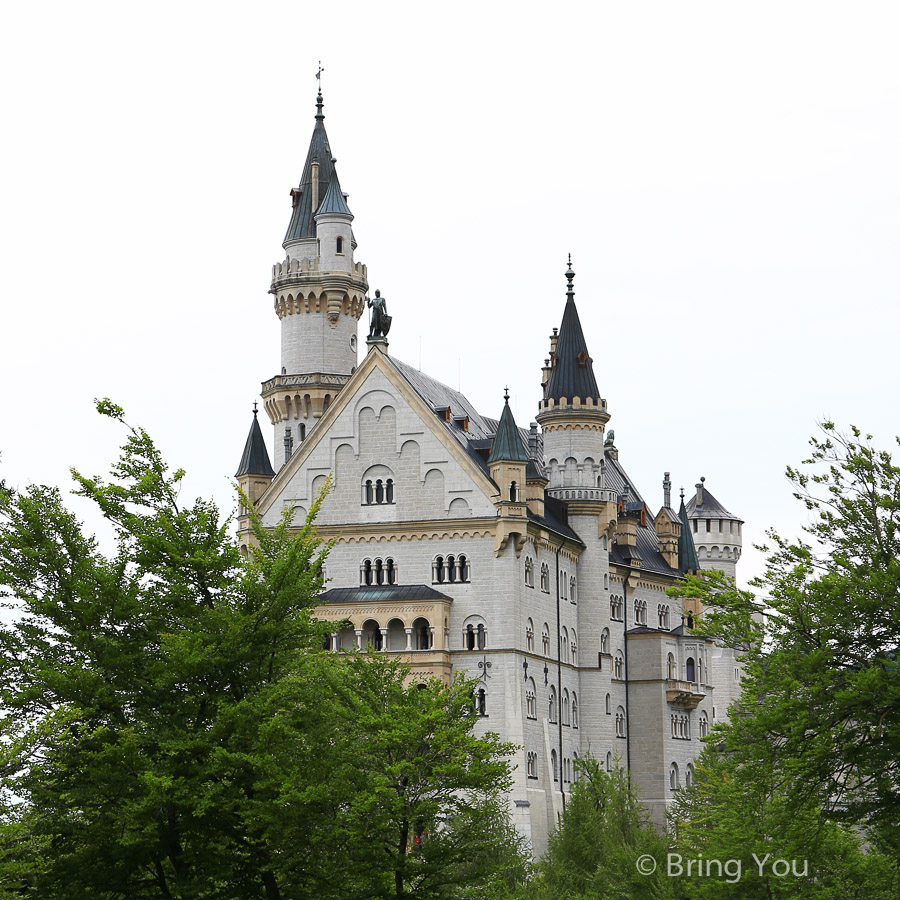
(724, 175)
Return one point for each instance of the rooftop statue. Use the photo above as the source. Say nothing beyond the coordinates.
(380, 321)
(610, 438)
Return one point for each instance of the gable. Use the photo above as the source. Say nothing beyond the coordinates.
(391, 456)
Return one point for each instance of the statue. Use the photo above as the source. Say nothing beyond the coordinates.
(610, 438)
(380, 323)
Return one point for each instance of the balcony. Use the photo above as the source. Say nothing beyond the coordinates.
(686, 693)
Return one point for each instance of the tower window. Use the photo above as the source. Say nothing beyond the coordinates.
(340, 245)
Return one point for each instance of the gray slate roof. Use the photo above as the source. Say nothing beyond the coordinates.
(382, 593)
(302, 224)
(710, 508)
(507, 441)
(572, 374)
(687, 552)
(255, 459)
(334, 201)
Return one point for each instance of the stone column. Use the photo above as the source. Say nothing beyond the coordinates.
(409, 633)
(335, 641)
(384, 638)
(359, 638)
(431, 637)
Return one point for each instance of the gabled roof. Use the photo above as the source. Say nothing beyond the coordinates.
(255, 460)
(708, 508)
(507, 442)
(572, 372)
(334, 201)
(302, 224)
(687, 552)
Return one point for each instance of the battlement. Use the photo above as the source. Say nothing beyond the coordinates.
(604, 495)
(575, 404)
(294, 269)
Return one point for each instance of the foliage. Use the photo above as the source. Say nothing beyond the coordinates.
(593, 855)
(171, 727)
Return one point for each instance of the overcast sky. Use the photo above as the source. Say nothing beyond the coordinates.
(725, 176)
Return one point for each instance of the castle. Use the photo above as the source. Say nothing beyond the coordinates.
(526, 558)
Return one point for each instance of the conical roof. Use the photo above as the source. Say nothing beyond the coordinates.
(302, 223)
(334, 201)
(507, 444)
(687, 553)
(572, 374)
(255, 460)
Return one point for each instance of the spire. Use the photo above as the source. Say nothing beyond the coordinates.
(334, 201)
(255, 460)
(687, 553)
(507, 441)
(319, 167)
(572, 372)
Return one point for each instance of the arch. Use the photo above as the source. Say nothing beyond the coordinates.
(671, 668)
(481, 701)
(474, 633)
(620, 722)
(688, 775)
(529, 572)
(604, 641)
(619, 666)
(545, 578)
(690, 669)
(673, 777)
(564, 645)
(608, 705)
(551, 705)
(396, 635)
(609, 761)
(372, 636)
(565, 706)
(545, 639)
(366, 573)
(529, 636)
(573, 646)
(459, 508)
(574, 710)
(530, 699)
(554, 764)
(422, 637)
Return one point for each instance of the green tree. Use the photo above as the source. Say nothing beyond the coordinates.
(596, 851)
(170, 726)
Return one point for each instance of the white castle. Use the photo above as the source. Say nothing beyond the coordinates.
(527, 559)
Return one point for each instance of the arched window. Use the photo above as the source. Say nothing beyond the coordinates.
(545, 639)
(474, 633)
(389, 491)
(437, 570)
(673, 776)
(565, 707)
(564, 645)
(572, 589)
(469, 637)
(689, 669)
(365, 574)
(671, 670)
(480, 636)
(529, 636)
(529, 572)
(422, 631)
(608, 705)
(513, 492)
(609, 762)
(620, 722)
(379, 491)
(604, 641)
(481, 699)
(379, 572)
(573, 646)
(545, 578)
(531, 765)
(574, 710)
(301, 431)
(640, 612)
(530, 700)
(390, 571)
(688, 775)
(619, 667)
(704, 725)
(555, 765)
(552, 704)
(340, 244)
(606, 582)
(462, 567)
(562, 585)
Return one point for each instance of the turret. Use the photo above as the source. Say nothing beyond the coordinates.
(716, 532)
(320, 294)
(572, 413)
(668, 526)
(254, 473)
(507, 463)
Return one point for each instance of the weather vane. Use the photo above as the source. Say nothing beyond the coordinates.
(319, 76)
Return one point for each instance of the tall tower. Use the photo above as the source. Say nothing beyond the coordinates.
(320, 293)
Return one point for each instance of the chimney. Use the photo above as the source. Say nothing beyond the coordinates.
(533, 441)
(315, 185)
(288, 443)
(699, 487)
(667, 490)
(554, 339)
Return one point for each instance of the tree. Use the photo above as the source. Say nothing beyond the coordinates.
(172, 728)
(594, 853)
(821, 697)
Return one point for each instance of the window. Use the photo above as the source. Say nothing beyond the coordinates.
(531, 764)
(609, 762)
(564, 645)
(604, 641)
(573, 646)
(574, 710)
(529, 636)
(545, 640)
(554, 765)
(565, 707)
(640, 612)
(703, 725)
(572, 589)
(545, 578)
(620, 722)
(513, 492)
(481, 702)
(619, 667)
(424, 637)
(616, 608)
(662, 612)
(469, 637)
(474, 633)
(378, 486)
(689, 669)
(365, 572)
(552, 704)
(562, 585)
(450, 569)
(530, 700)
(529, 572)
(688, 775)
(671, 669)
(608, 702)
(606, 582)
(673, 776)
(340, 244)
(695, 526)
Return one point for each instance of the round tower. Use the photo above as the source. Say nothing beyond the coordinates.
(716, 532)
(320, 294)
(572, 414)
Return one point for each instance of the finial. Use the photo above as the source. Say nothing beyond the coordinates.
(319, 113)
(682, 494)
(570, 275)
(254, 409)
(702, 479)
(506, 395)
